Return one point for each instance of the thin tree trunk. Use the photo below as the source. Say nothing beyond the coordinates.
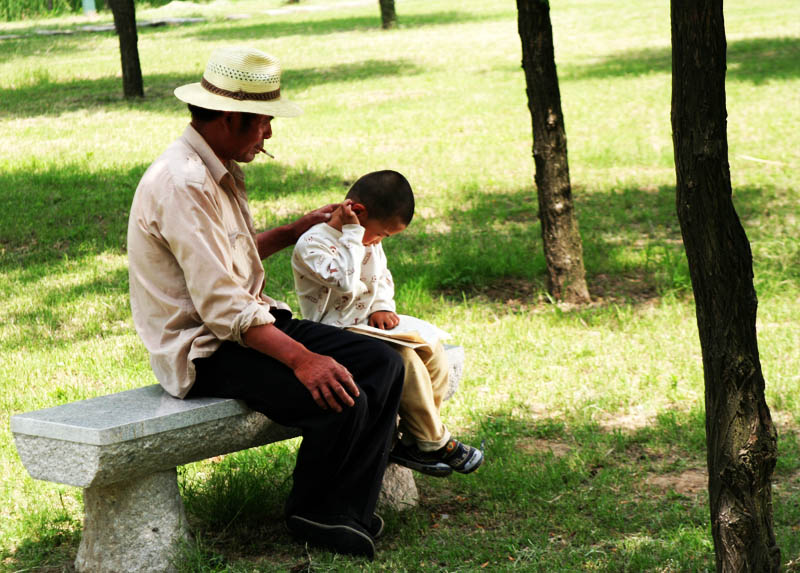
(388, 15)
(563, 250)
(741, 438)
(125, 23)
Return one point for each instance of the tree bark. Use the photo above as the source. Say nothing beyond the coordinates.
(563, 250)
(125, 23)
(741, 438)
(388, 15)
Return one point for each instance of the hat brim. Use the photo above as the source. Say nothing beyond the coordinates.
(195, 94)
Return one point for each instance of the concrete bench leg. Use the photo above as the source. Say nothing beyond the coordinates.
(399, 490)
(132, 526)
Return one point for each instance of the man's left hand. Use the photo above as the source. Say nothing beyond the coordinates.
(384, 319)
(273, 240)
(308, 220)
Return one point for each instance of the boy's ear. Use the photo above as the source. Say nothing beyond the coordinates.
(360, 210)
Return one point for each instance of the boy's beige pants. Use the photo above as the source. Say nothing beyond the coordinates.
(425, 385)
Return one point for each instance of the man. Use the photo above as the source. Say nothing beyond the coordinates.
(196, 281)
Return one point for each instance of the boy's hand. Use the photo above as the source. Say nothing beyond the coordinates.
(343, 215)
(384, 319)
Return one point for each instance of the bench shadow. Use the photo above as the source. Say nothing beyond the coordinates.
(756, 60)
(52, 548)
(44, 97)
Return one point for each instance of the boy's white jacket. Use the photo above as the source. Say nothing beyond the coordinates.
(338, 280)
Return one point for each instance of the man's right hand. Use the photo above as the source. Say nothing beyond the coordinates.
(330, 383)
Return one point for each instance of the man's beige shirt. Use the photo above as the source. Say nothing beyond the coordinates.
(196, 278)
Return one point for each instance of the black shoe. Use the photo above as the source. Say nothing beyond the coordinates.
(414, 458)
(339, 534)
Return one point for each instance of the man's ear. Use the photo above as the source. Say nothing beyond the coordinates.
(228, 120)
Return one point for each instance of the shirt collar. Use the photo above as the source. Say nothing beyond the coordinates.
(215, 166)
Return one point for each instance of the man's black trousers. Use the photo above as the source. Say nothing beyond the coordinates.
(343, 456)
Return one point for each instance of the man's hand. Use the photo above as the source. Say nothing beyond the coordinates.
(384, 319)
(273, 240)
(327, 380)
(343, 215)
(310, 219)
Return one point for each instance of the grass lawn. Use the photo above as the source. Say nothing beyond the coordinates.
(592, 417)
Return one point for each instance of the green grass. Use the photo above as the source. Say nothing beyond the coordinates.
(592, 417)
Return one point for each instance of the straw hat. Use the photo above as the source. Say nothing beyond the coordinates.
(240, 79)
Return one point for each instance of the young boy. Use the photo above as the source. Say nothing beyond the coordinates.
(341, 278)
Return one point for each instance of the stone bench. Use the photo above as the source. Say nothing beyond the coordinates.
(124, 448)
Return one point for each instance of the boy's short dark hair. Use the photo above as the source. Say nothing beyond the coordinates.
(386, 195)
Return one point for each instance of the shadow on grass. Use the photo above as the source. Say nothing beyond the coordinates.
(72, 36)
(489, 248)
(51, 546)
(749, 60)
(552, 492)
(525, 504)
(64, 213)
(493, 249)
(52, 318)
(70, 212)
(755, 60)
(325, 26)
(45, 97)
(633, 251)
(630, 501)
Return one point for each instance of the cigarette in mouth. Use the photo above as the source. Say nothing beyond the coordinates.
(262, 150)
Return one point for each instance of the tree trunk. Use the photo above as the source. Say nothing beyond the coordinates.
(741, 439)
(388, 15)
(563, 251)
(125, 23)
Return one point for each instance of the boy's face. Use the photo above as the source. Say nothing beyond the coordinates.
(376, 230)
